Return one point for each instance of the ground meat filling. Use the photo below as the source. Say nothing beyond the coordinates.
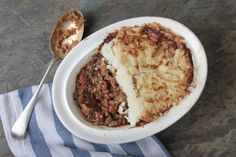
(98, 94)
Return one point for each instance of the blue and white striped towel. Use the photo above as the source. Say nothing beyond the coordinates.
(47, 137)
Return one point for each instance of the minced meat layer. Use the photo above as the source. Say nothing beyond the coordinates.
(98, 94)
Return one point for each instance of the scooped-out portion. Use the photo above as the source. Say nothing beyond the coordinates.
(137, 74)
(98, 95)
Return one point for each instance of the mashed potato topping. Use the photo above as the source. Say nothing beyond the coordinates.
(153, 67)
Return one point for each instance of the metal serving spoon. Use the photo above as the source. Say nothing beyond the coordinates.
(66, 34)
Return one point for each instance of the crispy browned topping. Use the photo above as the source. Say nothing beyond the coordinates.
(110, 36)
(162, 58)
(153, 33)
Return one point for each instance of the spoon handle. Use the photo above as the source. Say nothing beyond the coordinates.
(19, 128)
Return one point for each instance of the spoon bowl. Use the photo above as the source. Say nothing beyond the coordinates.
(67, 33)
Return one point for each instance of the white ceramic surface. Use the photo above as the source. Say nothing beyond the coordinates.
(63, 86)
